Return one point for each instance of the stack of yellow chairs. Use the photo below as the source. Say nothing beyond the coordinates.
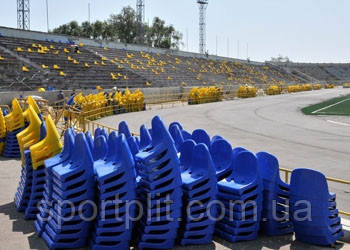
(2, 131)
(306, 87)
(31, 134)
(205, 95)
(317, 86)
(43, 142)
(247, 91)
(14, 124)
(329, 85)
(294, 88)
(273, 90)
(346, 85)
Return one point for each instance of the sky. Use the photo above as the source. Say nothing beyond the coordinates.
(303, 30)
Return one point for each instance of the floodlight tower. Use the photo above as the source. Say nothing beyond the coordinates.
(23, 14)
(202, 4)
(140, 13)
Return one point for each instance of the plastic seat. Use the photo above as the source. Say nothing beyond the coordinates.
(186, 151)
(221, 152)
(309, 189)
(201, 136)
(50, 146)
(31, 134)
(124, 129)
(145, 137)
(89, 140)
(15, 119)
(176, 134)
(100, 148)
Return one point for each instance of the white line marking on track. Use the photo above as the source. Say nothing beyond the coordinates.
(330, 106)
(339, 123)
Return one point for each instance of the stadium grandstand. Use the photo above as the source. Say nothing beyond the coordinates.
(30, 60)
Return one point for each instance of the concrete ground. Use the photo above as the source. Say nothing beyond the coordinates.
(272, 124)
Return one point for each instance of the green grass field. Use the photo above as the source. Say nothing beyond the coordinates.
(335, 106)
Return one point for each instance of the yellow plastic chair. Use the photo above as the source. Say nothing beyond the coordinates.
(55, 66)
(32, 102)
(31, 134)
(62, 73)
(15, 119)
(1, 58)
(19, 49)
(86, 65)
(44, 66)
(2, 125)
(25, 69)
(50, 146)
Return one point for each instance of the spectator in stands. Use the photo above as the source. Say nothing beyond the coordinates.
(76, 49)
(60, 99)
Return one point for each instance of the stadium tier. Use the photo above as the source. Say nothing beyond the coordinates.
(28, 64)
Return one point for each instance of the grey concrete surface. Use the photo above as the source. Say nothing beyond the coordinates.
(273, 124)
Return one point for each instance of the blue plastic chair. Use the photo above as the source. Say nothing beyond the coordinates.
(176, 134)
(124, 129)
(309, 189)
(100, 148)
(186, 151)
(159, 169)
(201, 136)
(145, 137)
(221, 152)
(89, 140)
(199, 185)
(276, 197)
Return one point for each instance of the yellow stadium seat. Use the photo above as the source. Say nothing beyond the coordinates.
(44, 66)
(34, 45)
(31, 134)
(104, 59)
(120, 74)
(95, 62)
(81, 44)
(32, 102)
(126, 77)
(148, 83)
(30, 50)
(19, 49)
(50, 146)
(25, 69)
(52, 47)
(75, 61)
(62, 73)
(56, 52)
(1, 58)
(113, 76)
(86, 65)
(103, 63)
(15, 119)
(41, 90)
(69, 58)
(55, 66)
(169, 78)
(2, 125)
(105, 48)
(66, 50)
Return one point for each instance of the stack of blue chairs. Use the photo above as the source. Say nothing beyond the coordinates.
(24, 188)
(30, 188)
(241, 193)
(315, 216)
(159, 189)
(115, 175)
(73, 192)
(275, 216)
(62, 158)
(199, 185)
(11, 149)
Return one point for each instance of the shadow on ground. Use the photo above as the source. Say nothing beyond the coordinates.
(19, 224)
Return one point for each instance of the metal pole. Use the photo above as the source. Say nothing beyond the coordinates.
(47, 15)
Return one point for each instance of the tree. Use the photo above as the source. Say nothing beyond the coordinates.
(123, 27)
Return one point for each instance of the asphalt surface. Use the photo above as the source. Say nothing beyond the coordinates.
(274, 124)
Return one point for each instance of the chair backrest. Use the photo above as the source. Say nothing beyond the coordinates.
(186, 135)
(133, 145)
(112, 142)
(221, 153)
(175, 123)
(127, 157)
(201, 136)
(82, 156)
(214, 138)
(268, 166)
(145, 137)
(68, 143)
(160, 134)
(89, 140)
(245, 168)
(97, 132)
(202, 163)
(186, 152)
(104, 133)
(100, 148)
(309, 184)
(176, 134)
(124, 129)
